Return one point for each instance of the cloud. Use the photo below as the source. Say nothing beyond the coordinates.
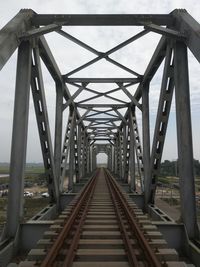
(69, 56)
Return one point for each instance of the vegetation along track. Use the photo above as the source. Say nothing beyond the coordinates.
(102, 227)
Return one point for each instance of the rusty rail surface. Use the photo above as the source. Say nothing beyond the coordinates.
(78, 213)
(68, 238)
(122, 209)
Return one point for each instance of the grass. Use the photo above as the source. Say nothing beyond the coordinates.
(172, 201)
(31, 207)
(34, 173)
(30, 169)
(4, 169)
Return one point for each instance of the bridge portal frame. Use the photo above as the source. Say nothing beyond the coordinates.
(26, 32)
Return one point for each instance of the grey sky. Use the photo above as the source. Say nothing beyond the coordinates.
(69, 56)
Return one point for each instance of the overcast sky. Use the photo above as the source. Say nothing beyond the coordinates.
(70, 56)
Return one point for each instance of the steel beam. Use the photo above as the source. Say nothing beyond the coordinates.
(86, 106)
(151, 69)
(187, 24)
(165, 31)
(138, 150)
(52, 67)
(84, 156)
(10, 33)
(184, 138)
(132, 153)
(72, 98)
(72, 153)
(77, 41)
(120, 115)
(19, 140)
(39, 100)
(83, 116)
(106, 56)
(101, 139)
(120, 137)
(58, 130)
(146, 140)
(103, 119)
(102, 20)
(132, 98)
(102, 80)
(164, 106)
(124, 140)
(39, 31)
(49, 60)
(79, 143)
(153, 65)
(76, 157)
(66, 146)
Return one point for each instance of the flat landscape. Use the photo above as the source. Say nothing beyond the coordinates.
(35, 183)
(167, 193)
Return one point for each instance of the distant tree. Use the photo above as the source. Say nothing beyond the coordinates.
(197, 167)
(170, 168)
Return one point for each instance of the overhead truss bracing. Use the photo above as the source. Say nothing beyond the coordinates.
(101, 120)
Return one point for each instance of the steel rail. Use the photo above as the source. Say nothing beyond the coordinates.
(129, 213)
(129, 248)
(74, 243)
(85, 196)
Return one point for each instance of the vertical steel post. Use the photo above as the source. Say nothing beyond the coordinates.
(83, 152)
(184, 138)
(58, 131)
(146, 142)
(19, 140)
(120, 156)
(84, 158)
(116, 156)
(109, 153)
(72, 154)
(89, 157)
(79, 150)
(132, 153)
(124, 153)
(94, 159)
(113, 158)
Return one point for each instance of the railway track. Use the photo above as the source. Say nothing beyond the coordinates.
(102, 227)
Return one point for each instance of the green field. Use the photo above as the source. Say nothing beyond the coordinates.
(30, 168)
(31, 207)
(33, 173)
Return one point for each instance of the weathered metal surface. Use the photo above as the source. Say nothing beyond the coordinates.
(109, 127)
(102, 20)
(19, 140)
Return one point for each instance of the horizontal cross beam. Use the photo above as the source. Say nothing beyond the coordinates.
(102, 20)
(106, 128)
(102, 105)
(101, 139)
(102, 119)
(165, 31)
(102, 80)
(40, 31)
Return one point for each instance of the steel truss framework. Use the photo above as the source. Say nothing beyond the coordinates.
(80, 146)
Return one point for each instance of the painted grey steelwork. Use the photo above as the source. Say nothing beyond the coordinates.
(19, 140)
(184, 133)
(110, 128)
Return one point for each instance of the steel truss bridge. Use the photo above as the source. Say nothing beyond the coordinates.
(100, 122)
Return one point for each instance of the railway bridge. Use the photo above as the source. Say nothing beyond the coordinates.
(105, 217)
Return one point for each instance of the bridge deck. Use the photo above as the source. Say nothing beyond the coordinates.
(100, 231)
